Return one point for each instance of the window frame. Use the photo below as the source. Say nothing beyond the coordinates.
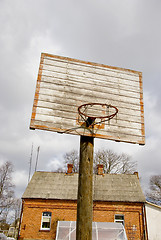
(119, 220)
(42, 218)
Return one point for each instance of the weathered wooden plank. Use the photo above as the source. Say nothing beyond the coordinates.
(76, 103)
(59, 109)
(107, 82)
(85, 75)
(111, 123)
(113, 131)
(67, 92)
(72, 107)
(92, 69)
(124, 113)
(69, 68)
(72, 102)
(79, 131)
(73, 120)
(86, 82)
(64, 84)
(103, 81)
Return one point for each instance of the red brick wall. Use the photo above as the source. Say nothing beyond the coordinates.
(67, 210)
(133, 216)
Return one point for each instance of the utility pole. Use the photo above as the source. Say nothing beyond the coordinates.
(38, 149)
(85, 190)
(30, 162)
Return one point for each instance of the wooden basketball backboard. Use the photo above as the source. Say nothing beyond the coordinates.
(64, 84)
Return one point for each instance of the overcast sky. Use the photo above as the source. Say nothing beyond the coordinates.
(118, 33)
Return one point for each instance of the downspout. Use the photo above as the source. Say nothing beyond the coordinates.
(145, 222)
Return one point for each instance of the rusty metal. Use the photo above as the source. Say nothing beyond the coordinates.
(20, 222)
(145, 223)
(90, 120)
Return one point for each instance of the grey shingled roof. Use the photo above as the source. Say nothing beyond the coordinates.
(108, 187)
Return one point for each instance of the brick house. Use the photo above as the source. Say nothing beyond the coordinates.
(51, 197)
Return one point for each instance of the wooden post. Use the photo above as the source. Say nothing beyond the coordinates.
(85, 190)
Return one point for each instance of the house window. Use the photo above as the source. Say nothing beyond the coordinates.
(11, 230)
(46, 221)
(119, 218)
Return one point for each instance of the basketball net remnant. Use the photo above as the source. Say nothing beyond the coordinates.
(92, 116)
(96, 119)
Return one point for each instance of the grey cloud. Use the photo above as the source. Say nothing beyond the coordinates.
(122, 34)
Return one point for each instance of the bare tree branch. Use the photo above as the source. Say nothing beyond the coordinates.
(6, 189)
(112, 162)
(154, 193)
(72, 158)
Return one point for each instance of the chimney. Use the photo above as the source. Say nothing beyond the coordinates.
(136, 173)
(70, 168)
(100, 169)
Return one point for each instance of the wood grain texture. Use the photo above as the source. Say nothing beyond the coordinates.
(63, 84)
